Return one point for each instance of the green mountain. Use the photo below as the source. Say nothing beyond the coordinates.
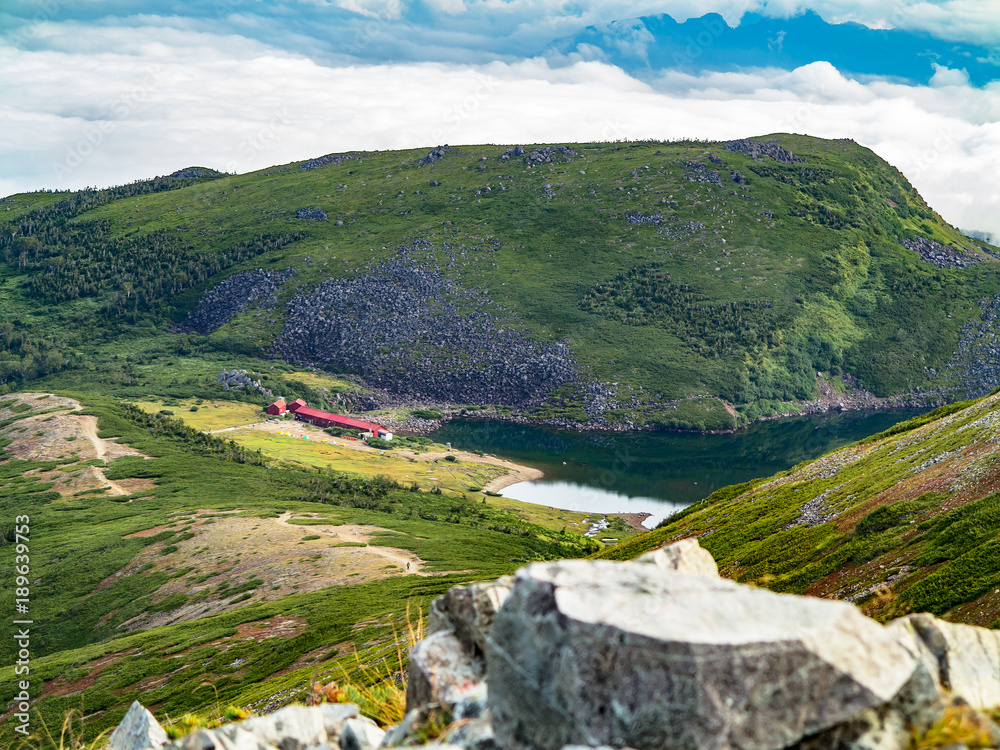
(616, 285)
(905, 521)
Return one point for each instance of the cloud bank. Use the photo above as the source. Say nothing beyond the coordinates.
(106, 104)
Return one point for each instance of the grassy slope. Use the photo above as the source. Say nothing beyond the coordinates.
(815, 240)
(907, 521)
(84, 660)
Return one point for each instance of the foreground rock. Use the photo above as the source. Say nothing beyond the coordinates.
(662, 653)
(602, 653)
(324, 727)
(139, 730)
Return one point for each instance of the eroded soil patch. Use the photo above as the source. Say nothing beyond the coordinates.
(234, 560)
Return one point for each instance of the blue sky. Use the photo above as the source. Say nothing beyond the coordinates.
(103, 92)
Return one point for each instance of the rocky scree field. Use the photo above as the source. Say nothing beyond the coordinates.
(608, 285)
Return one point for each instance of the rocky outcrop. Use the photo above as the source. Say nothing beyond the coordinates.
(662, 653)
(544, 155)
(409, 328)
(239, 379)
(940, 256)
(311, 214)
(756, 149)
(435, 154)
(193, 173)
(230, 297)
(329, 159)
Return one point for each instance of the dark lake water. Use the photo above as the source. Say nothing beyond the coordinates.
(656, 472)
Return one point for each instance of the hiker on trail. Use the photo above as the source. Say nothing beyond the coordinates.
(407, 566)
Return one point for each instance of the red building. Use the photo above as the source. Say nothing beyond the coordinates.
(326, 419)
(277, 408)
(296, 405)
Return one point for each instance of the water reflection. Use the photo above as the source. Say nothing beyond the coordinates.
(665, 467)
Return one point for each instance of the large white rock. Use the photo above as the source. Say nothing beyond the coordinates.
(685, 556)
(624, 654)
(290, 728)
(965, 659)
(138, 730)
(361, 734)
(442, 671)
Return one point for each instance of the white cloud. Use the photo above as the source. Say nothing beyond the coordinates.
(944, 76)
(157, 99)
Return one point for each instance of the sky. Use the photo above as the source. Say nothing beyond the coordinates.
(103, 92)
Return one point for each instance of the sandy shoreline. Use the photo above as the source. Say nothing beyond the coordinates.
(515, 473)
(633, 519)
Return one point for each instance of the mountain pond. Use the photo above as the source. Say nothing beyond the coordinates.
(656, 472)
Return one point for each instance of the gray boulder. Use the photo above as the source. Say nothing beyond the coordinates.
(468, 612)
(964, 659)
(361, 734)
(443, 672)
(603, 653)
(138, 730)
(685, 556)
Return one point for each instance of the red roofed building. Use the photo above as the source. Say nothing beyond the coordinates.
(326, 419)
(296, 405)
(277, 408)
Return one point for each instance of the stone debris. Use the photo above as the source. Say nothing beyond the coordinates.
(756, 149)
(640, 218)
(410, 329)
(544, 155)
(698, 172)
(230, 297)
(311, 214)
(190, 173)
(814, 512)
(650, 654)
(238, 379)
(329, 159)
(975, 365)
(940, 256)
(436, 154)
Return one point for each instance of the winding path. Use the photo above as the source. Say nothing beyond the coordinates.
(353, 533)
(101, 448)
